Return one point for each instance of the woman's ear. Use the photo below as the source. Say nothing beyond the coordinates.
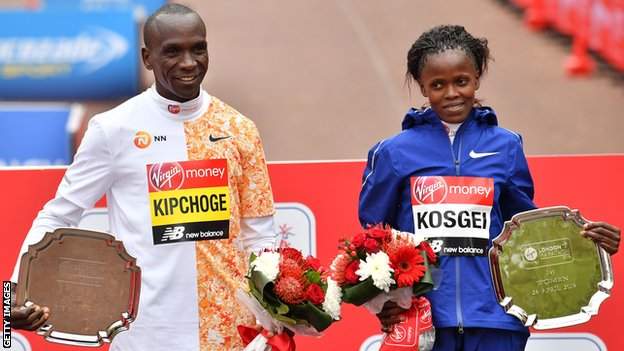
(423, 91)
(477, 83)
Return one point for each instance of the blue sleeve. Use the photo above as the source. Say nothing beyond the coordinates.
(517, 195)
(380, 189)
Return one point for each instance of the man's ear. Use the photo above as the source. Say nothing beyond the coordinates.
(145, 53)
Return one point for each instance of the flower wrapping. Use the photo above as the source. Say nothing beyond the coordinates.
(415, 333)
(288, 291)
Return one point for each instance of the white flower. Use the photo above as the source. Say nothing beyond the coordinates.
(333, 296)
(267, 263)
(377, 266)
(415, 238)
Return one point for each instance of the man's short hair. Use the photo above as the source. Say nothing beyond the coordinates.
(167, 9)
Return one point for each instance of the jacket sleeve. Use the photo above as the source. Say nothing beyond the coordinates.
(257, 234)
(380, 188)
(517, 195)
(84, 183)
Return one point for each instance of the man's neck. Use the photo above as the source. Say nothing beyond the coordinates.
(180, 110)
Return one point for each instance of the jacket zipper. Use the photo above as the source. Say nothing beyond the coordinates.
(460, 318)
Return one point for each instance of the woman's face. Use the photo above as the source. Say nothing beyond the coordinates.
(449, 80)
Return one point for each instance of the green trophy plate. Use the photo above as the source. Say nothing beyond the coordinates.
(545, 273)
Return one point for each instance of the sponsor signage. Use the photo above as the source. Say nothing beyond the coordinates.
(37, 135)
(453, 212)
(68, 55)
(189, 200)
(147, 6)
(334, 209)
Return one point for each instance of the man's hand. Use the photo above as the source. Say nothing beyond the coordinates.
(390, 315)
(604, 234)
(27, 318)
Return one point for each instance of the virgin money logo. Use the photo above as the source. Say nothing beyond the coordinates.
(398, 334)
(429, 190)
(166, 176)
(142, 139)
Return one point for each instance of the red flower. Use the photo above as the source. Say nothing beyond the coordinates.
(313, 263)
(289, 289)
(314, 293)
(408, 266)
(349, 275)
(289, 252)
(371, 245)
(431, 255)
(358, 240)
(380, 232)
(338, 268)
(290, 270)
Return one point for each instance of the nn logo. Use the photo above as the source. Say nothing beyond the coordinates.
(143, 139)
(173, 233)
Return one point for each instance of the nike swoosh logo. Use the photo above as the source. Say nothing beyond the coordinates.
(474, 154)
(215, 139)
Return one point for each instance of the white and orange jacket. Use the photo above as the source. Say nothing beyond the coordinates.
(187, 299)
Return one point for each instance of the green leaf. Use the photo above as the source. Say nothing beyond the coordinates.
(282, 308)
(259, 280)
(287, 320)
(257, 294)
(361, 292)
(313, 277)
(313, 315)
(426, 282)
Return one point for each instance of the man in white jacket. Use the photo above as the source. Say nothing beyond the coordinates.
(159, 151)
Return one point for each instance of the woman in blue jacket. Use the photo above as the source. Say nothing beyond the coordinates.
(453, 174)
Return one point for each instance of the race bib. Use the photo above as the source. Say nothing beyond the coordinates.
(189, 200)
(453, 213)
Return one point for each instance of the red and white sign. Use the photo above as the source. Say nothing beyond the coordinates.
(334, 207)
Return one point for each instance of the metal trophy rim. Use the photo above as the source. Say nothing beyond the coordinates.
(531, 320)
(103, 336)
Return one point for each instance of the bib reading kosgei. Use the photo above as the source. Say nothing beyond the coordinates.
(453, 213)
(189, 200)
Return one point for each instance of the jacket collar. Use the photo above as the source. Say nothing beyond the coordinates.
(415, 117)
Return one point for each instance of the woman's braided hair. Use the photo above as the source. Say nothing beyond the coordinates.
(442, 38)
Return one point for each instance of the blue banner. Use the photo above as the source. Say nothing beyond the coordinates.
(68, 55)
(37, 135)
(149, 6)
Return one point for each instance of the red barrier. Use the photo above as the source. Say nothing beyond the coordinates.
(330, 191)
(596, 25)
(579, 63)
(536, 16)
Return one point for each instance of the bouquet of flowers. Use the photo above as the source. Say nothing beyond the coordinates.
(380, 264)
(287, 291)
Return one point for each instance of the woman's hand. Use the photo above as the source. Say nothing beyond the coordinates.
(390, 315)
(604, 234)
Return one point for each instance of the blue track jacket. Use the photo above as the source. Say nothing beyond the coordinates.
(465, 296)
